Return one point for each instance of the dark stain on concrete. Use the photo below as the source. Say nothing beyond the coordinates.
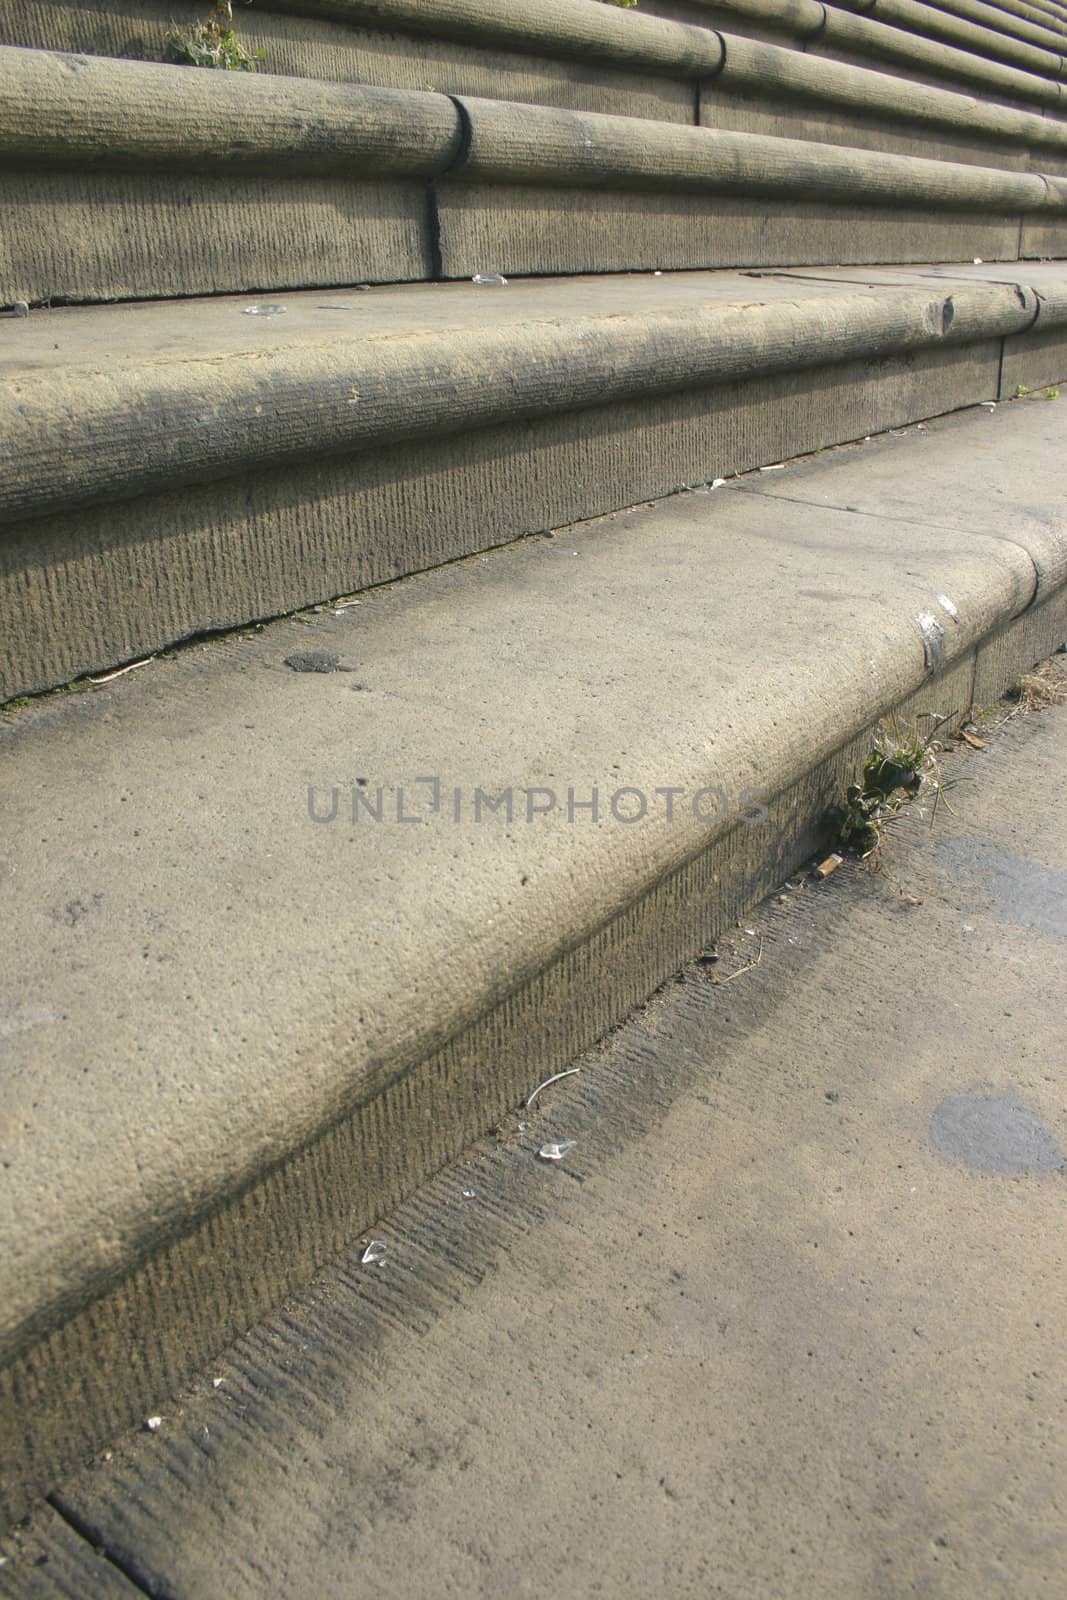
(74, 910)
(994, 1133)
(314, 661)
(1020, 891)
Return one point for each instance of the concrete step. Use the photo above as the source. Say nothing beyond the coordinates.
(301, 912)
(575, 53)
(1020, 45)
(1015, 23)
(127, 179)
(1044, 14)
(176, 468)
(594, 58)
(811, 1224)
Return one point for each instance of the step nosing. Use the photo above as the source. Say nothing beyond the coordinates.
(75, 435)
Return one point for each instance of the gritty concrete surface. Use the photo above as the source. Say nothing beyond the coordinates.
(226, 1014)
(786, 1321)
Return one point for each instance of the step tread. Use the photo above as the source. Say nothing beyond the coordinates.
(112, 337)
(142, 396)
(204, 978)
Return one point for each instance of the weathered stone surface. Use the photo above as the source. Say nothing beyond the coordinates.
(569, 29)
(932, 23)
(131, 235)
(538, 146)
(304, 46)
(76, 434)
(1015, 17)
(354, 439)
(742, 1201)
(799, 95)
(49, 1561)
(1036, 360)
(128, 179)
(234, 1067)
(85, 111)
(861, 39)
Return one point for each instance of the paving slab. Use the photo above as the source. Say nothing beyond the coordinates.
(787, 1320)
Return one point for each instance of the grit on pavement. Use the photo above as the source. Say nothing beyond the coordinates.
(786, 1321)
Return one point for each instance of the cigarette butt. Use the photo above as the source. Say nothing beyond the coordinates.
(831, 864)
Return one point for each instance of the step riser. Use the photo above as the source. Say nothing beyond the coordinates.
(84, 590)
(143, 1337)
(520, 231)
(74, 238)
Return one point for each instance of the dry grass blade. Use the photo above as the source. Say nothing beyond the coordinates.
(719, 982)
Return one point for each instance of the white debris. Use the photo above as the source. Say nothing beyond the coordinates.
(556, 1149)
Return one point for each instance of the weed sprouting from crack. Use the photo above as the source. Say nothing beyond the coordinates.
(211, 43)
(902, 766)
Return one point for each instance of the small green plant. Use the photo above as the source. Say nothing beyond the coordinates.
(901, 763)
(1022, 393)
(211, 43)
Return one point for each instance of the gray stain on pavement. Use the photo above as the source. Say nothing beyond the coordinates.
(1020, 891)
(994, 1133)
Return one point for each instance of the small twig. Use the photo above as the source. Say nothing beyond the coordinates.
(123, 670)
(554, 1079)
(718, 982)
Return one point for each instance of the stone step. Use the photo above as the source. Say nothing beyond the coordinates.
(580, 55)
(980, 32)
(174, 468)
(126, 179)
(577, 53)
(302, 912)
